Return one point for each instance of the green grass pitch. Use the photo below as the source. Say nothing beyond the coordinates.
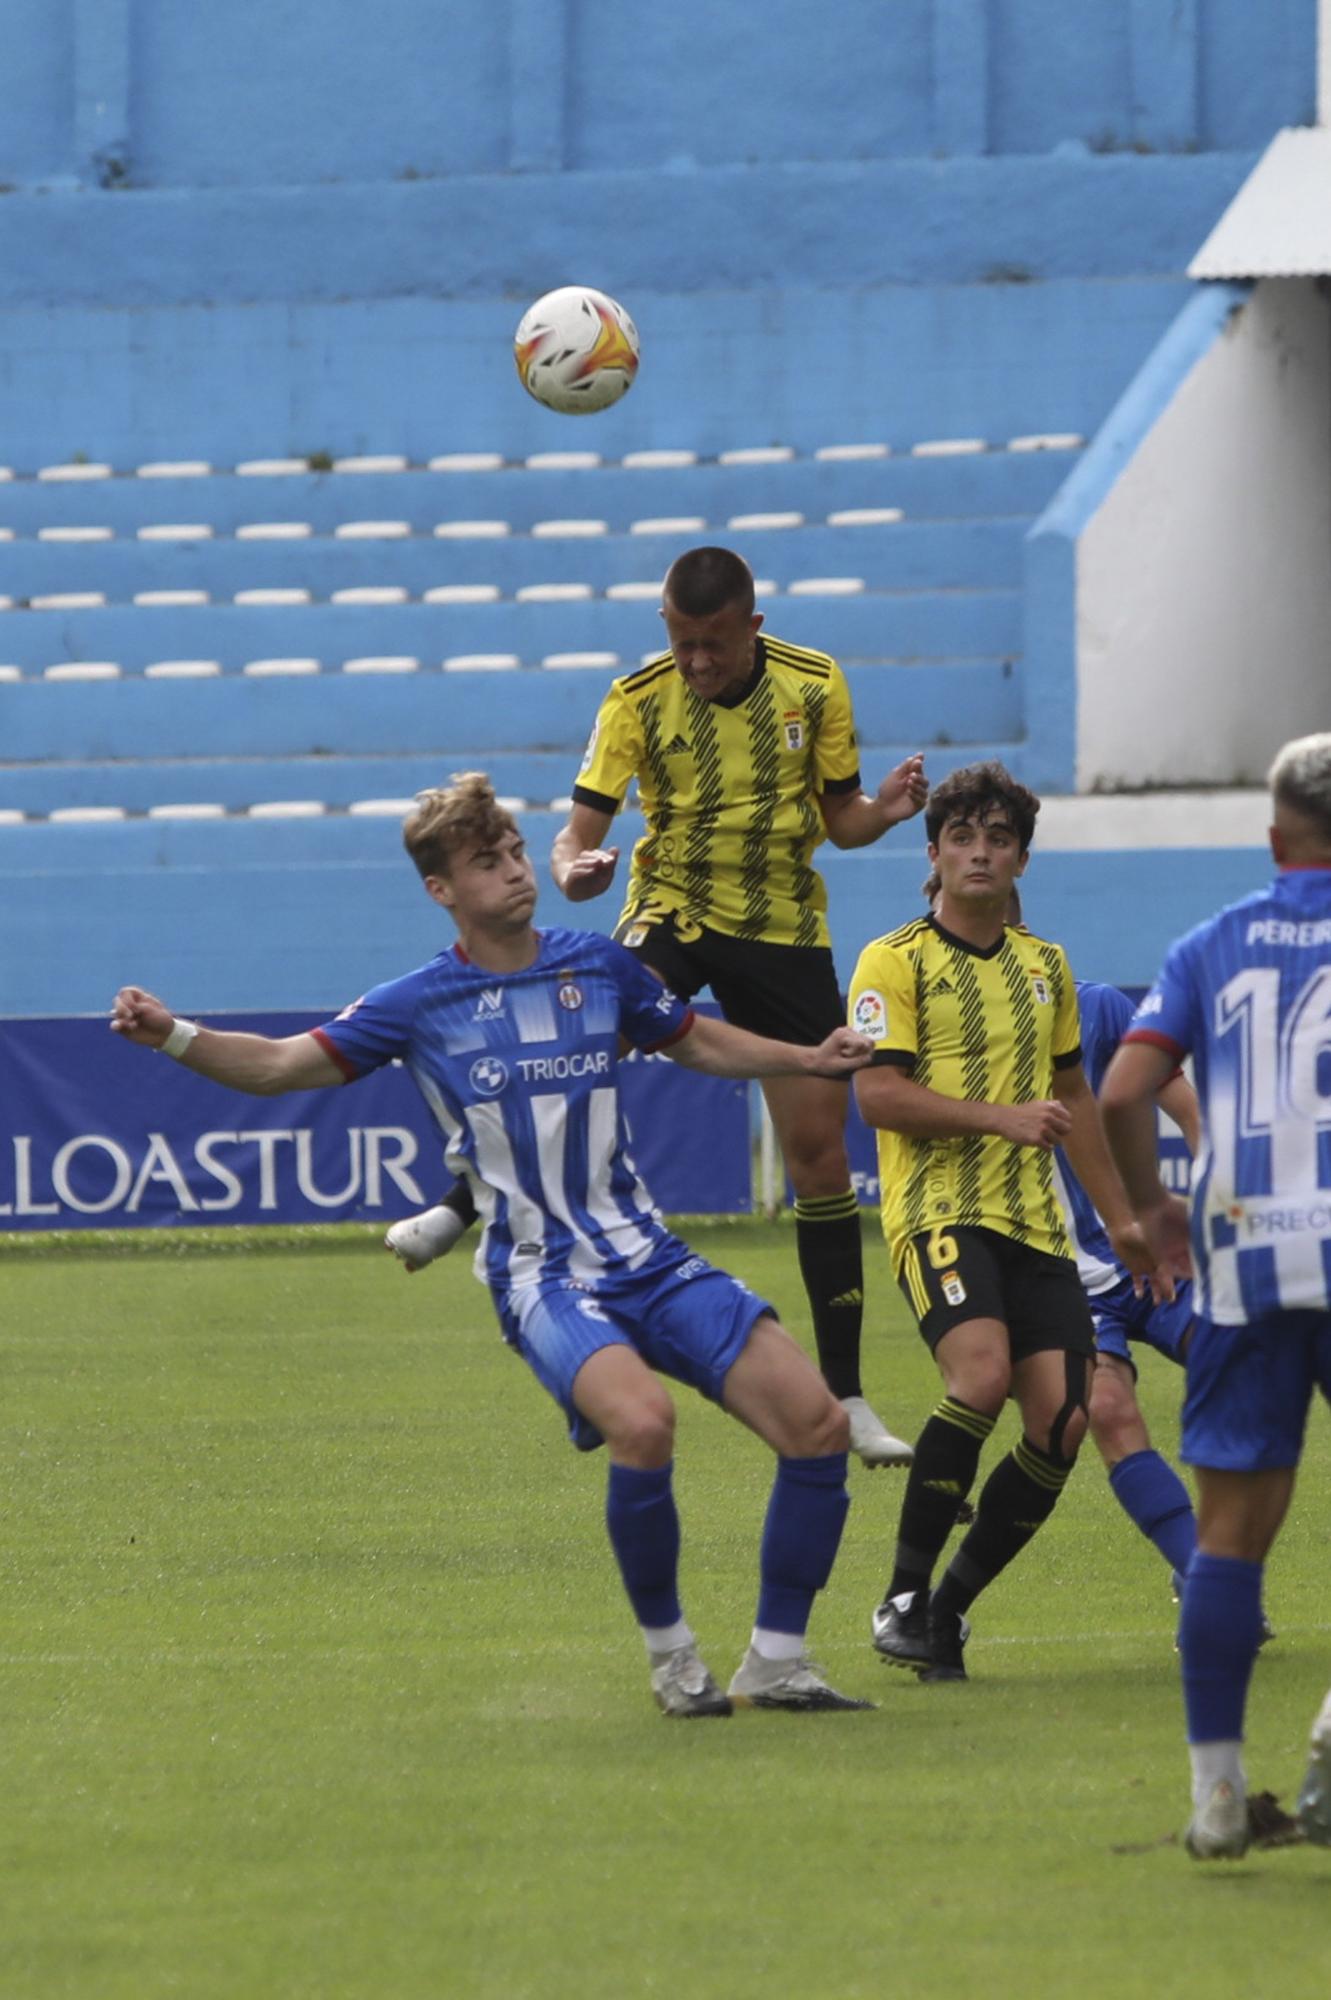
(317, 1681)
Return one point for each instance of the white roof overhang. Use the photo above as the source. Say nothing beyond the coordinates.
(1279, 223)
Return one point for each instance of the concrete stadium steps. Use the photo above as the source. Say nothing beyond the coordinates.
(127, 374)
(904, 555)
(988, 482)
(246, 912)
(237, 784)
(907, 625)
(343, 715)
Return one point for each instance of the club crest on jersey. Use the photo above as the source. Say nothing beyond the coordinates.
(570, 996)
(487, 1075)
(490, 1006)
(869, 1016)
(635, 935)
(1040, 988)
(794, 729)
(953, 1289)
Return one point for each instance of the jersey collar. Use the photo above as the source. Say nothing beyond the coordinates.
(963, 944)
(741, 695)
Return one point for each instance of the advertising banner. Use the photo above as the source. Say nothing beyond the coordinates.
(98, 1134)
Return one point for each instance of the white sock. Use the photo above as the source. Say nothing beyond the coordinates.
(777, 1645)
(1214, 1764)
(667, 1638)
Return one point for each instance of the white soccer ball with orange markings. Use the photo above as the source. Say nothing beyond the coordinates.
(576, 350)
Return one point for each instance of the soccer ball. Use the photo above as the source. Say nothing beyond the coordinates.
(576, 350)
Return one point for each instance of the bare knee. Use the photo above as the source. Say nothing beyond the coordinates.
(642, 1432)
(1116, 1422)
(982, 1384)
(1065, 1439)
(829, 1431)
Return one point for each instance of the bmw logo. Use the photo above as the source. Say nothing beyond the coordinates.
(488, 1076)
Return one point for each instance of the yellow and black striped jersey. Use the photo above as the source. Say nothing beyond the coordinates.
(989, 1026)
(729, 790)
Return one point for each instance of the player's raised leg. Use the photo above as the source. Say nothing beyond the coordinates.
(776, 1391)
(809, 1114)
(418, 1239)
(617, 1393)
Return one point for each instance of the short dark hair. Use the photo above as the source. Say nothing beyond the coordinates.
(976, 791)
(704, 581)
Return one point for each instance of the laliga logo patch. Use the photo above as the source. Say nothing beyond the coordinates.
(487, 1075)
(869, 1016)
(590, 751)
(570, 996)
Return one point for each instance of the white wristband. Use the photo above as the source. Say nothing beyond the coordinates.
(181, 1035)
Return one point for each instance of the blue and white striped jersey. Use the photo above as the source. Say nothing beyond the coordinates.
(519, 1071)
(1105, 1013)
(1248, 995)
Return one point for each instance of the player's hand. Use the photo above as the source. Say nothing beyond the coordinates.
(141, 1017)
(1045, 1123)
(590, 873)
(903, 792)
(1165, 1227)
(841, 1054)
(1148, 1271)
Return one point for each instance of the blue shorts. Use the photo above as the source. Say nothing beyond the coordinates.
(1120, 1316)
(684, 1317)
(1249, 1388)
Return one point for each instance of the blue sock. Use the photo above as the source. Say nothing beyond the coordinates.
(801, 1535)
(1151, 1493)
(644, 1534)
(1219, 1633)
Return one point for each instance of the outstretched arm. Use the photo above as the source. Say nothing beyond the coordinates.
(261, 1065)
(718, 1049)
(853, 819)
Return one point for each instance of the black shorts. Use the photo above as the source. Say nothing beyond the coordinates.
(787, 991)
(950, 1276)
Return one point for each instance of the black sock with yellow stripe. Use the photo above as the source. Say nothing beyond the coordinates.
(947, 1456)
(1018, 1497)
(831, 1254)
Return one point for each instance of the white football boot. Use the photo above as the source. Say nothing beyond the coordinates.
(1218, 1830)
(796, 1684)
(1315, 1794)
(418, 1239)
(870, 1439)
(682, 1685)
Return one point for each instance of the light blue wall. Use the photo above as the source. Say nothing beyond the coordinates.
(242, 914)
(168, 93)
